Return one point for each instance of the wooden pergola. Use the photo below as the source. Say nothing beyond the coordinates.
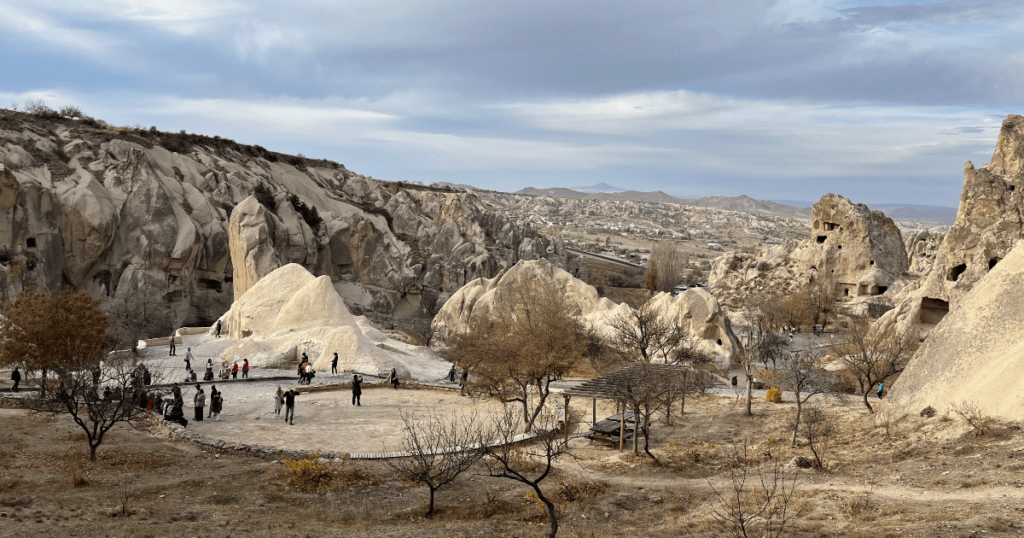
(612, 386)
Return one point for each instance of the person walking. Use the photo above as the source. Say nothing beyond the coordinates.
(16, 377)
(357, 390)
(278, 400)
(189, 358)
(218, 329)
(289, 406)
(451, 374)
(393, 379)
(245, 368)
(234, 370)
(881, 386)
(200, 402)
(170, 346)
(334, 364)
(216, 403)
(463, 384)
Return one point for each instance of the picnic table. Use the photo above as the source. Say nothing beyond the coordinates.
(608, 429)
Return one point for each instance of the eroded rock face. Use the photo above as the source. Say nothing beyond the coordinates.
(250, 240)
(82, 207)
(974, 353)
(990, 220)
(696, 310)
(859, 248)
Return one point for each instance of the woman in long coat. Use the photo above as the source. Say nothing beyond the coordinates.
(216, 402)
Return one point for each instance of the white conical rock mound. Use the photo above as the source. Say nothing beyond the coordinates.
(289, 312)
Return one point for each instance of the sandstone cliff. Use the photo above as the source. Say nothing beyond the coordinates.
(86, 206)
(861, 250)
(989, 222)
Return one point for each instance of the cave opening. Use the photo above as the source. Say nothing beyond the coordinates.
(954, 273)
(821, 238)
(992, 263)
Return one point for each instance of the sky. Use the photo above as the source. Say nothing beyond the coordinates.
(880, 101)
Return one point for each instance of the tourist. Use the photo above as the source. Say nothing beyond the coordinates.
(188, 357)
(218, 329)
(176, 391)
(880, 387)
(451, 374)
(278, 400)
(213, 396)
(234, 370)
(178, 414)
(208, 376)
(190, 377)
(209, 363)
(289, 406)
(393, 379)
(245, 368)
(16, 377)
(357, 390)
(200, 402)
(147, 378)
(170, 346)
(216, 403)
(334, 364)
(464, 383)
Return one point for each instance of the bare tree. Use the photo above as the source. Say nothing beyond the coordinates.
(756, 502)
(805, 375)
(666, 267)
(818, 427)
(762, 347)
(514, 352)
(873, 356)
(646, 388)
(440, 448)
(820, 297)
(527, 463)
(137, 311)
(96, 398)
(644, 332)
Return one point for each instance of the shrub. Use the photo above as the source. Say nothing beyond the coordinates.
(71, 112)
(309, 474)
(265, 197)
(774, 395)
(928, 412)
(973, 416)
(308, 213)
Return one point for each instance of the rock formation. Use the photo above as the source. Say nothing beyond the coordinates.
(82, 205)
(289, 312)
(695, 309)
(989, 222)
(861, 250)
(974, 354)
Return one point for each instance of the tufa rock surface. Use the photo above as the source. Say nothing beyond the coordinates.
(695, 309)
(974, 354)
(862, 250)
(989, 222)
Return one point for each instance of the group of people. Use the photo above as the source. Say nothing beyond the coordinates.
(286, 399)
(463, 381)
(173, 409)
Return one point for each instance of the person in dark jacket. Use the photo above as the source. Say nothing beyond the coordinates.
(393, 378)
(16, 377)
(178, 413)
(357, 390)
(213, 395)
(200, 402)
(463, 385)
(289, 406)
(245, 368)
(218, 328)
(334, 364)
(216, 402)
(170, 346)
(451, 374)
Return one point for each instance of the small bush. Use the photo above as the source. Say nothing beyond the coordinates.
(308, 213)
(309, 475)
(265, 197)
(71, 112)
(774, 395)
(972, 415)
(928, 412)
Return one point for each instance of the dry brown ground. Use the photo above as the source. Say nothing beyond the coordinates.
(925, 477)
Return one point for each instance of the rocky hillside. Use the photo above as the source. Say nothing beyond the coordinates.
(744, 204)
(93, 207)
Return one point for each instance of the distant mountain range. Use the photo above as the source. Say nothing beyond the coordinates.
(896, 211)
(779, 208)
(744, 203)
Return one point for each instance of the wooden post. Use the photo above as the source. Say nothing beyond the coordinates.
(565, 417)
(595, 410)
(622, 423)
